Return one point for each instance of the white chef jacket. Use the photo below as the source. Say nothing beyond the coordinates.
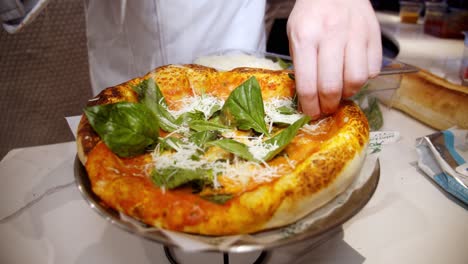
(129, 38)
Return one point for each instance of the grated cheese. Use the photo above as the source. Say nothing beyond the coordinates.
(273, 115)
(203, 103)
(260, 149)
(237, 170)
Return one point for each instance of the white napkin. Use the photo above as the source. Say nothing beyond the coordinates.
(30, 174)
(73, 122)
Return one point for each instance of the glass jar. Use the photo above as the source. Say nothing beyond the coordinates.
(444, 21)
(434, 17)
(409, 11)
(456, 22)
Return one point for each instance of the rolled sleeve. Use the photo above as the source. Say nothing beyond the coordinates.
(11, 10)
(15, 14)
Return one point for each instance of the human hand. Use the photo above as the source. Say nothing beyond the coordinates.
(335, 46)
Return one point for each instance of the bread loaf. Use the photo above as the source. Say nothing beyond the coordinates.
(431, 100)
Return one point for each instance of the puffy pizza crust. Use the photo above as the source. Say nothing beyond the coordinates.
(320, 176)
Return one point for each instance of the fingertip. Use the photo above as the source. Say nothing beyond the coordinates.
(309, 105)
(348, 93)
(314, 114)
(331, 106)
(330, 96)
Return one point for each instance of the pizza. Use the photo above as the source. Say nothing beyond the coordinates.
(192, 149)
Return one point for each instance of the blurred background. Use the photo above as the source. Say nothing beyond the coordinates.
(44, 77)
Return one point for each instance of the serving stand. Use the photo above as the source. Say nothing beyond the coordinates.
(350, 207)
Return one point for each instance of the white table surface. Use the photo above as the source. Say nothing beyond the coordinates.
(408, 220)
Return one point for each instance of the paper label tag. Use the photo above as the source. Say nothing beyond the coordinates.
(384, 137)
(379, 138)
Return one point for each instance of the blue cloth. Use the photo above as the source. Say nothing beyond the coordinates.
(443, 143)
(447, 182)
(450, 185)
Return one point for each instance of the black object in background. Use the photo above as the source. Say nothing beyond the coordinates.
(278, 41)
(386, 5)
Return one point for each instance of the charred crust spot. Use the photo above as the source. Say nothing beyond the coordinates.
(115, 93)
(87, 136)
(138, 211)
(111, 95)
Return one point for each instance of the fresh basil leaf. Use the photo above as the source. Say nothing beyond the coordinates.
(218, 198)
(155, 101)
(286, 110)
(178, 144)
(373, 114)
(140, 88)
(169, 143)
(152, 91)
(197, 186)
(126, 128)
(186, 118)
(203, 137)
(172, 177)
(214, 108)
(370, 107)
(283, 64)
(235, 147)
(202, 125)
(295, 101)
(244, 107)
(283, 138)
(360, 96)
(216, 119)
